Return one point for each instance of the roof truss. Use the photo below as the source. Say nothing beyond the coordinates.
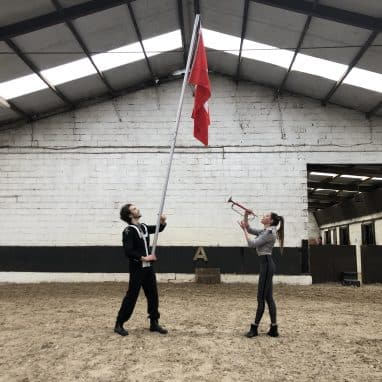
(353, 63)
(321, 200)
(36, 70)
(57, 17)
(243, 32)
(325, 12)
(139, 36)
(82, 44)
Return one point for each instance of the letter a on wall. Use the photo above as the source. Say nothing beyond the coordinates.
(200, 254)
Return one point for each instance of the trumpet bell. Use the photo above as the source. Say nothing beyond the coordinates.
(236, 206)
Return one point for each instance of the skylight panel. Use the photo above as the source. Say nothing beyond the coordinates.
(69, 72)
(318, 67)
(163, 43)
(323, 174)
(364, 79)
(171, 41)
(117, 57)
(20, 86)
(273, 55)
(113, 58)
(354, 177)
(251, 49)
(133, 52)
(83, 67)
(267, 53)
(221, 41)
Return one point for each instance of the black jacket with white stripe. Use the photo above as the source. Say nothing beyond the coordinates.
(133, 239)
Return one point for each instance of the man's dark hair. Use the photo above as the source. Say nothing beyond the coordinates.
(125, 213)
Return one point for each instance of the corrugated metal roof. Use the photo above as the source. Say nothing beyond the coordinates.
(335, 31)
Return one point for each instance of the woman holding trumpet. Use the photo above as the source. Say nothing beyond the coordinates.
(264, 242)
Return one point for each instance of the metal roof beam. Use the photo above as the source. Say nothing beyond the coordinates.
(10, 105)
(243, 32)
(329, 198)
(297, 50)
(339, 186)
(36, 70)
(54, 18)
(83, 46)
(374, 109)
(346, 170)
(182, 31)
(139, 36)
(353, 63)
(196, 7)
(320, 205)
(338, 15)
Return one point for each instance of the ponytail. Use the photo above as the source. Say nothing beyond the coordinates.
(280, 234)
(279, 220)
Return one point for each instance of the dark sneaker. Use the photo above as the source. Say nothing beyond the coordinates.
(155, 327)
(120, 330)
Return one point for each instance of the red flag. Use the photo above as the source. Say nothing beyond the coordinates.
(199, 78)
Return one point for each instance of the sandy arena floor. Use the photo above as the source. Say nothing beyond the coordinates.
(63, 332)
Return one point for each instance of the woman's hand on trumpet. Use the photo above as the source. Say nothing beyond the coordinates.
(243, 225)
(246, 215)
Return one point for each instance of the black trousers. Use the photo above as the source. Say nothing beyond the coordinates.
(145, 278)
(265, 289)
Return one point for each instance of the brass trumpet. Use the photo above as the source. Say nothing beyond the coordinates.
(251, 214)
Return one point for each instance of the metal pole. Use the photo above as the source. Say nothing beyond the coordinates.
(178, 114)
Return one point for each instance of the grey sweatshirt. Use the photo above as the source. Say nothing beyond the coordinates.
(265, 240)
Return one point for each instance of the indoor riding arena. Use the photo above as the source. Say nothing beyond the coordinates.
(190, 190)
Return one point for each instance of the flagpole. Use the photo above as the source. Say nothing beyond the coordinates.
(178, 114)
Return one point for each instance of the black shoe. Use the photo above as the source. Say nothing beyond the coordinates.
(252, 331)
(273, 331)
(155, 327)
(120, 330)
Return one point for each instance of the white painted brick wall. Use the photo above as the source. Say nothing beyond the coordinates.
(313, 228)
(64, 179)
(378, 232)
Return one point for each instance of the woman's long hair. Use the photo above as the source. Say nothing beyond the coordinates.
(279, 220)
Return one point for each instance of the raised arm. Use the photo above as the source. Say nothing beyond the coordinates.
(162, 225)
(265, 237)
(250, 230)
(253, 231)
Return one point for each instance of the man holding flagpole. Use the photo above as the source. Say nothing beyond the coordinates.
(129, 213)
(200, 114)
(136, 244)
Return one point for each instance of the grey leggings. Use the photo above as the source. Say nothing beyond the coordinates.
(264, 292)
